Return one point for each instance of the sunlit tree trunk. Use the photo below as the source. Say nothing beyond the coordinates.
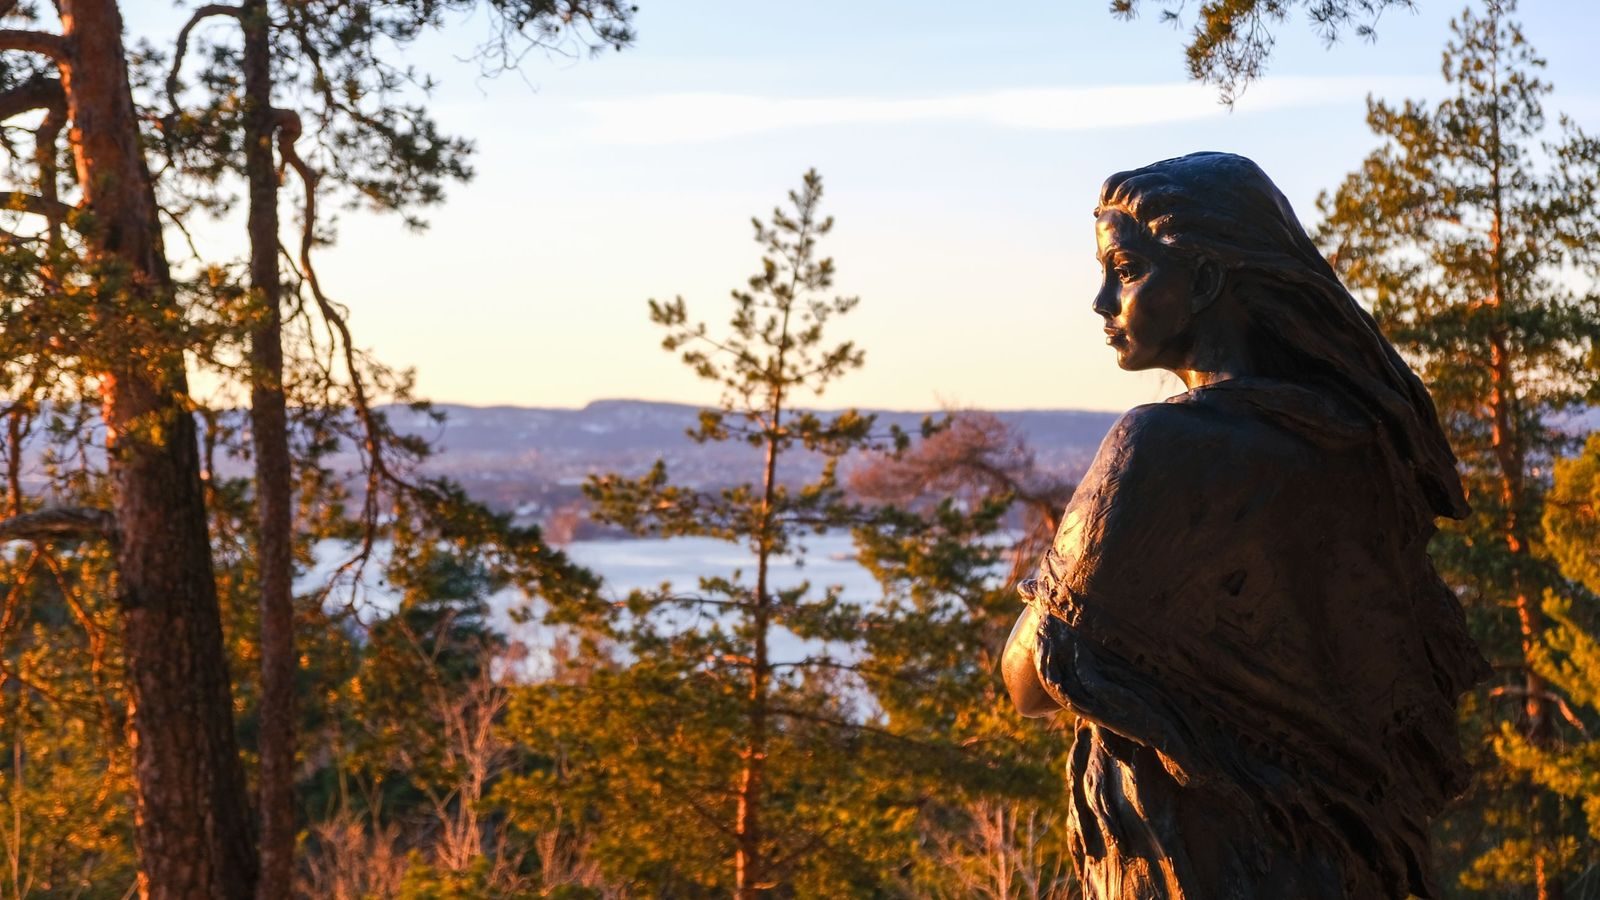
(270, 434)
(1507, 446)
(747, 821)
(193, 818)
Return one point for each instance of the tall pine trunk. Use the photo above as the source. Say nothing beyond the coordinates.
(749, 863)
(1507, 444)
(270, 434)
(192, 816)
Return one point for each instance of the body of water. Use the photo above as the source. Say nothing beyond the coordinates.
(644, 563)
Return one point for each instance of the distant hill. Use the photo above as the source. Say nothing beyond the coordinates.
(531, 458)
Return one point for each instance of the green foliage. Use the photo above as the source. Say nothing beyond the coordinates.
(867, 762)
(930, 652)
(384, 702)
(702, 720)
(1470, 233)
(1572, 517)
(1231, 40)
(65, 772)
(1567, 657)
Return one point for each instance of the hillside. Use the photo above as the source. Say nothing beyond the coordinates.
(532, 459)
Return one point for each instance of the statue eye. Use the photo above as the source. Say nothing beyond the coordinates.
(1125, 272)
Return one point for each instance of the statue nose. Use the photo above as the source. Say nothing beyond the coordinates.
(1107, 303)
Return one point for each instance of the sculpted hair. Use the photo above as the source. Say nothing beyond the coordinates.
(1305, 326)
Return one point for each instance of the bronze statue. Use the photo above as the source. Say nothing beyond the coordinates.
(1239, 607)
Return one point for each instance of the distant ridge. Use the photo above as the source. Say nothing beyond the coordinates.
(533, 459)
(629, 435)
(529, 457)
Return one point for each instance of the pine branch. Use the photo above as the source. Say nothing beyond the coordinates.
(33, 203)
(10, 613)
(782, 861)
(35, 93)
(848, 725)
(27, 41)
(59, 522)
(169, 122)
(26, 398)
(288, 128)
(1549, 696)
(182, 49)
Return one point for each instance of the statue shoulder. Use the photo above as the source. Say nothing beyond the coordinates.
(1159, 433)
(1194, 441)
(1158, 421)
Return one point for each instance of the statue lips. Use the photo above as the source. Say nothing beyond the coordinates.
(1116, 337)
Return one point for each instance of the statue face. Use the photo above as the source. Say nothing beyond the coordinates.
(1144, 295)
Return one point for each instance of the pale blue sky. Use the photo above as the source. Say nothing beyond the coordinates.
(961, 151)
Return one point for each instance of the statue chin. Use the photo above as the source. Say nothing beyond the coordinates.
(1126, 363)
(1020, 671)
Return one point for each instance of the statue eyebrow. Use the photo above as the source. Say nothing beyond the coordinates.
(1101, 257)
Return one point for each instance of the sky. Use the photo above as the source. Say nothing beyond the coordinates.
(961, 149)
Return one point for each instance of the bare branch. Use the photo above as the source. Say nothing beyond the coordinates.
(288, 126)
(182, 49)
(1548, 696)
(43, 42)
(44, 156)
(12, 609)
(177, 222)
(35, 93)
(59, 522)
(53, 210)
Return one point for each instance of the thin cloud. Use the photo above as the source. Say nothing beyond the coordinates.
(704, 117)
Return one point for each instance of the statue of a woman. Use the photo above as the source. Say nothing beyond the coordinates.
(1239, 607)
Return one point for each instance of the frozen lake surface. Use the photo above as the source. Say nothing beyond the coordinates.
(829, 560)
(630, 564)
(645, 563)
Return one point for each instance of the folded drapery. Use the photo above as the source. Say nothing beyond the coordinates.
(1240, 610)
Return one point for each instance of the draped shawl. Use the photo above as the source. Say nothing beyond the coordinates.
(1240, 609)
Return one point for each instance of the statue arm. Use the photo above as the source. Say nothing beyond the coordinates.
(1109, 547)
(1020, 668)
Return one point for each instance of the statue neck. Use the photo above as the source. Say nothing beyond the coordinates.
(1220, 350)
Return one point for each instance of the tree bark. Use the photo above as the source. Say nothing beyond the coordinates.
(1506, 442)
(274, 492)
(14, 460)
(748, 861)
(193, 819)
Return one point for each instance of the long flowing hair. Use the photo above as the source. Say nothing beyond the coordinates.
(1304, 325)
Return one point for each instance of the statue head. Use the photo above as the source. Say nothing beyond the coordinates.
(1217, 240)
(1157, 302)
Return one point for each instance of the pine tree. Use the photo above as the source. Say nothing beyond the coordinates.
(986, 782)
(690, 755)
(1462, 231)
(1567, 658)
(334, 65)
(753, 718)
(98, 308)
(715, 762)
(125, 335)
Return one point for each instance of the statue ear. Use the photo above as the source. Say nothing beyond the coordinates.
(1207, 284)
